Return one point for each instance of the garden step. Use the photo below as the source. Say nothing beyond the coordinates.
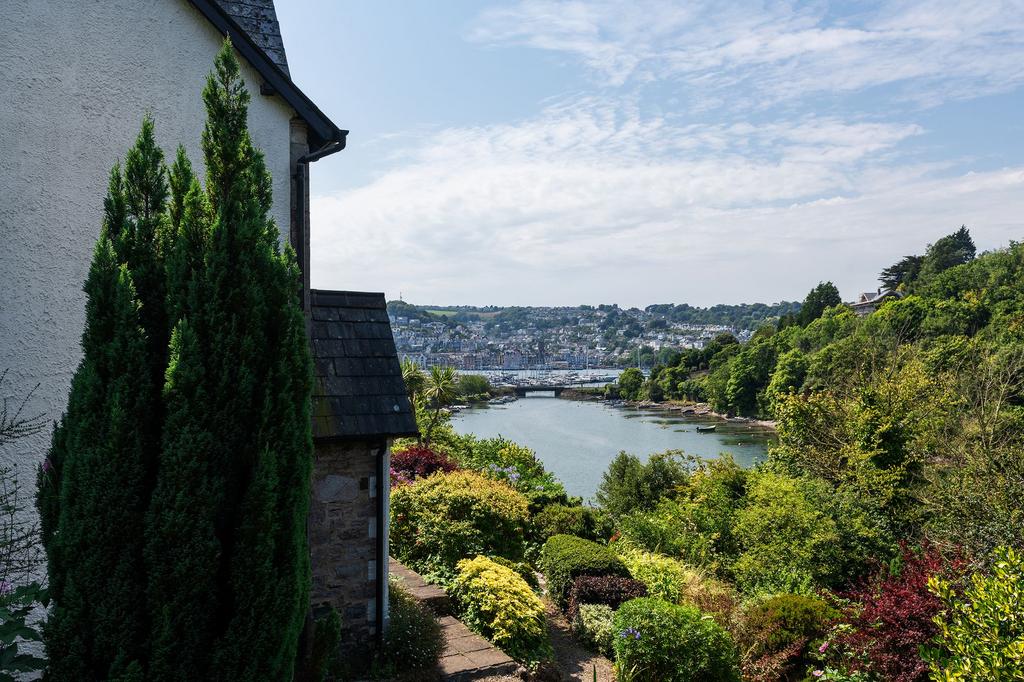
(413, 583)
(468, 656)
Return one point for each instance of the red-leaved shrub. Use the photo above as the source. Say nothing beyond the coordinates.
(418, 462)
(895, 615)
(609, 590)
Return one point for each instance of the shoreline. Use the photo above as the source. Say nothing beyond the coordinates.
(692, 409)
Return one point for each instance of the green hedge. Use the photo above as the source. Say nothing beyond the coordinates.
(497, 603)
(660, 642)
(439, 520)
(565, 557)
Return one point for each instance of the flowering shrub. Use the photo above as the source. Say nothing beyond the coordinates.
(439, 520)
(609, 590)
(497, 603)
(415, 461)
(775, 633)
(893, 617)
(660, 642)
(518, 466)
(592, 623)
(565, 557)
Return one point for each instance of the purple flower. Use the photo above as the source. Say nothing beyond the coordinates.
(823, 647)
(47, 466)
(630, 633)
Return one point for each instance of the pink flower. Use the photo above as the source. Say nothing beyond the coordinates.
(818, 673)
(823, 647)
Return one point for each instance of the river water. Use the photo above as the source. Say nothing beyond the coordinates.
(576, 440)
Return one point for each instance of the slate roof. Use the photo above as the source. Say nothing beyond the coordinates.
(258, 18)
(358, 392)
(255, 33)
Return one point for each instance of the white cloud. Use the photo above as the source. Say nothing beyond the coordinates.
(591, 202)
(758, 54)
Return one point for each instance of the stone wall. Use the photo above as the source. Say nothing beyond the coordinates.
(343, 534)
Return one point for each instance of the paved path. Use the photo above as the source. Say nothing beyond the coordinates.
(466, 656)
(574, 660)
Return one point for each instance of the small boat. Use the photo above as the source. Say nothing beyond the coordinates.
(707, 429)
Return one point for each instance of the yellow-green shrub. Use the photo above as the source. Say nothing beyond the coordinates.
(496, 602)
(439, 520)
(673, 581)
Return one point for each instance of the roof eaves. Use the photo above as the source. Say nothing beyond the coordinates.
(325, 137)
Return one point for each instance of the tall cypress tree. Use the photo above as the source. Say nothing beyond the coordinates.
(227, 554)
(174, 497)
(93, 485)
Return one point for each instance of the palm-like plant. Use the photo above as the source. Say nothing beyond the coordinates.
(414, 378)
(440, 391)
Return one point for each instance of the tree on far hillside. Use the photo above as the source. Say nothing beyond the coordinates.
(952, 250)
(825, 295)
(901, 273)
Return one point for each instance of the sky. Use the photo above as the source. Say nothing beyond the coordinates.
(563, 153)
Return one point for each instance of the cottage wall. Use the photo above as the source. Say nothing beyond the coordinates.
(343, 533)
(77, 78)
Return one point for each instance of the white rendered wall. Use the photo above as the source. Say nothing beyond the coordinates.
(75, 80)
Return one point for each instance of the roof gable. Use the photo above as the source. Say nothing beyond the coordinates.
(358, 390)
(258, 18)
(324, 136)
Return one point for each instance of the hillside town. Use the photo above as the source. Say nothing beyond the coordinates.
(580, 337)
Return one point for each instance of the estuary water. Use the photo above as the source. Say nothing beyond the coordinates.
(576, 440)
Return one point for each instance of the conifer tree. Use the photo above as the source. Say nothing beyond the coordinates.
(173, 500)
(226, 549)
(94, 484)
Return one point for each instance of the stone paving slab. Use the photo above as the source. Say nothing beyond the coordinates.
(467, 656)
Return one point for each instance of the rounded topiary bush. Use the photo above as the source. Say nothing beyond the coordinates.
(496, 602)
(656, 641)
(439, 520)
(566, 557)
